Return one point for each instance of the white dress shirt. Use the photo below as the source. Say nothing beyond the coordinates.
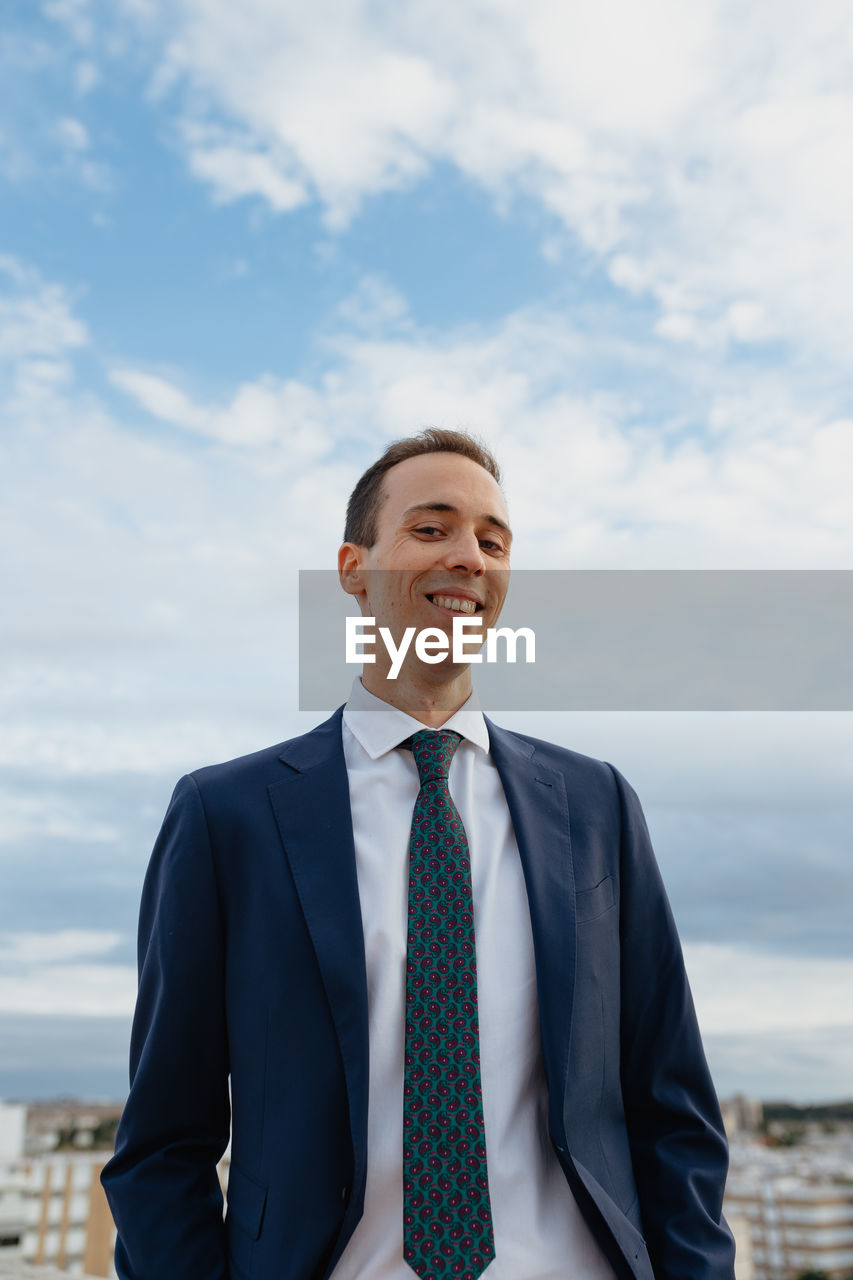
(538, 1229)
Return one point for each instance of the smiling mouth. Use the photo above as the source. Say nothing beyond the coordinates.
(456, 604)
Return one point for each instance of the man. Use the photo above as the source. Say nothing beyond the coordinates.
(435, 959)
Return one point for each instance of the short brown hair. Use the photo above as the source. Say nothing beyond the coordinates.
(366, 497)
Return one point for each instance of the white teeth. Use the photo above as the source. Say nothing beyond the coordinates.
(453, 602)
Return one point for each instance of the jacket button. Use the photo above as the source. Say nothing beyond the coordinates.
(344, 1194)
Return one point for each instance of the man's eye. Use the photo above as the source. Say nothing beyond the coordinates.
(427, 528)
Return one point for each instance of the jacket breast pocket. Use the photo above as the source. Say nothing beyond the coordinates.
(246, 1200)
(594, 902)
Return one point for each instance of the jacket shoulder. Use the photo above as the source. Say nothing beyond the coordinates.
(555, 756)
(260, 768)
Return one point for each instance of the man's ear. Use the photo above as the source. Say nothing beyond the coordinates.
(350, 564)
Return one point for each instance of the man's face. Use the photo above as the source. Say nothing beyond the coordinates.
(442, 547)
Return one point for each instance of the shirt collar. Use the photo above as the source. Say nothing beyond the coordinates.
(379, 727)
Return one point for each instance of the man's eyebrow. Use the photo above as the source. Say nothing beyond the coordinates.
(448, 506)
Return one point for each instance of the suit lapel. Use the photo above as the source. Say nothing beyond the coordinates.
(312, 809)
(539, 809)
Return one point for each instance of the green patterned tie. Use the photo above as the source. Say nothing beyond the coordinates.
(447, 1217)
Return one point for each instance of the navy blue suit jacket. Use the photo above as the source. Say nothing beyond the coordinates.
(252, 965)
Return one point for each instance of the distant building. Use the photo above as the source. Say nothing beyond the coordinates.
(13, 1124)
(744, 1265)
(794, 1207)
(71, 1125)
(53, 1211)
(742, 1115)
(52, 1207)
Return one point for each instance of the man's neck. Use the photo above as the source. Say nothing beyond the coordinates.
(432, 703)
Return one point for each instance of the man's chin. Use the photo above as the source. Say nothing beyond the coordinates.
(434, 674)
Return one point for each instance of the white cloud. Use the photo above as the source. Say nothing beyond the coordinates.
(264, 413)
(36, 319)
(70, 990)
(75, 15)
(162, 740)
(161, 554)
(701, 150)
(161, 398)
(86, 76)
(316, 98)
(812, 1065)
(375, 307)
(46, 818)
(234, 169)
(51, 948)
(738, 990)
(764, 486)
(73, 134)
(48, 974)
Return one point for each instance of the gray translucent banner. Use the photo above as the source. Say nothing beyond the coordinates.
(633, 640)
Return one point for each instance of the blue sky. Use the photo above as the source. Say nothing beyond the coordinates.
(239, 252)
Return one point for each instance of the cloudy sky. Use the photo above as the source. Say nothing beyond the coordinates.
(241, 248)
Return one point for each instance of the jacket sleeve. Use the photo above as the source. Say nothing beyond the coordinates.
(162, 1183)
(675, 1130)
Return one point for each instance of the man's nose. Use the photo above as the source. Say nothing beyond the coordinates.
(465, 552)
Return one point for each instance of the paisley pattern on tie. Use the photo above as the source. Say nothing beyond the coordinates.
(447, 1219)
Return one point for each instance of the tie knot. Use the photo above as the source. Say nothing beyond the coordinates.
(433, 750)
